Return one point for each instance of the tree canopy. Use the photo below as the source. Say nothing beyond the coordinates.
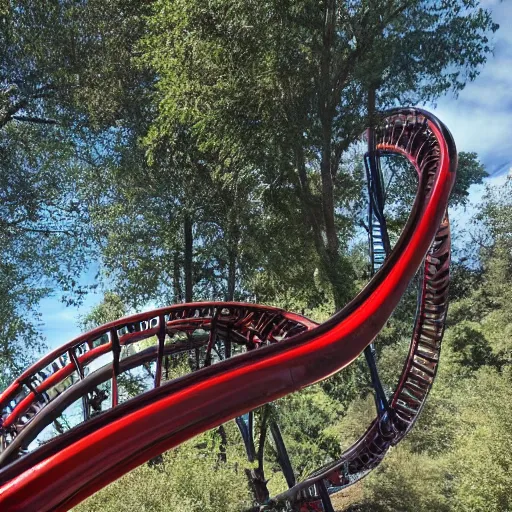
(289, 86)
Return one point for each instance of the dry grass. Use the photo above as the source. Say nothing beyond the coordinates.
(343, 499)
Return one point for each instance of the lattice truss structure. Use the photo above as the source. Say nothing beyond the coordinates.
(117, 396)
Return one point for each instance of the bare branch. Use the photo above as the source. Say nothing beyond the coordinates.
(32, 119)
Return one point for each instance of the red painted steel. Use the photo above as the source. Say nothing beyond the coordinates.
(176, 411)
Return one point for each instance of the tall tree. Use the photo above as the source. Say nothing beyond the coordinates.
(42, 238)
(65, 88)
(40, 217)
(285, 85)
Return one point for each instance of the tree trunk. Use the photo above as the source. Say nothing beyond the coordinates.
(329, 260)
(327, 111)
(232, 260)
(188, 237)
(256, 476)
(178, 292)
(223, 443)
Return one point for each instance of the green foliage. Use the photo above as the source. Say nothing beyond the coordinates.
(470, 171)
(44, 238)
(43, 242)
(306, 420)
(407, 482)
(482, 452)
(110, 308)
(273, 51)
(189, 479)
(471, 350)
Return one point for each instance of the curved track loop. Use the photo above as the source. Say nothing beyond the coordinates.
(292, 352)
(404, 132)
(80, 369)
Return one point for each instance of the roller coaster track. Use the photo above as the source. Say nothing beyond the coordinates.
(239, 357)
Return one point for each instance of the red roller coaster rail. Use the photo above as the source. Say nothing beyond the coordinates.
(282, 353)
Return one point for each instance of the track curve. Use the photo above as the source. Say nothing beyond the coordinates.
(292, 353)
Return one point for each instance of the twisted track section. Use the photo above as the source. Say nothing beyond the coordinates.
(117, 432)
(406, 132)
(79, 369)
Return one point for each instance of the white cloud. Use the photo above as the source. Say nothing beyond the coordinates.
(481, 117)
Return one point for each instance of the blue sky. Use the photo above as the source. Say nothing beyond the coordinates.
(480, 120)
(60, 323)
(481, 117)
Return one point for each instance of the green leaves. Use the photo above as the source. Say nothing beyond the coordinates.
(282, 88)
(187, 479)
